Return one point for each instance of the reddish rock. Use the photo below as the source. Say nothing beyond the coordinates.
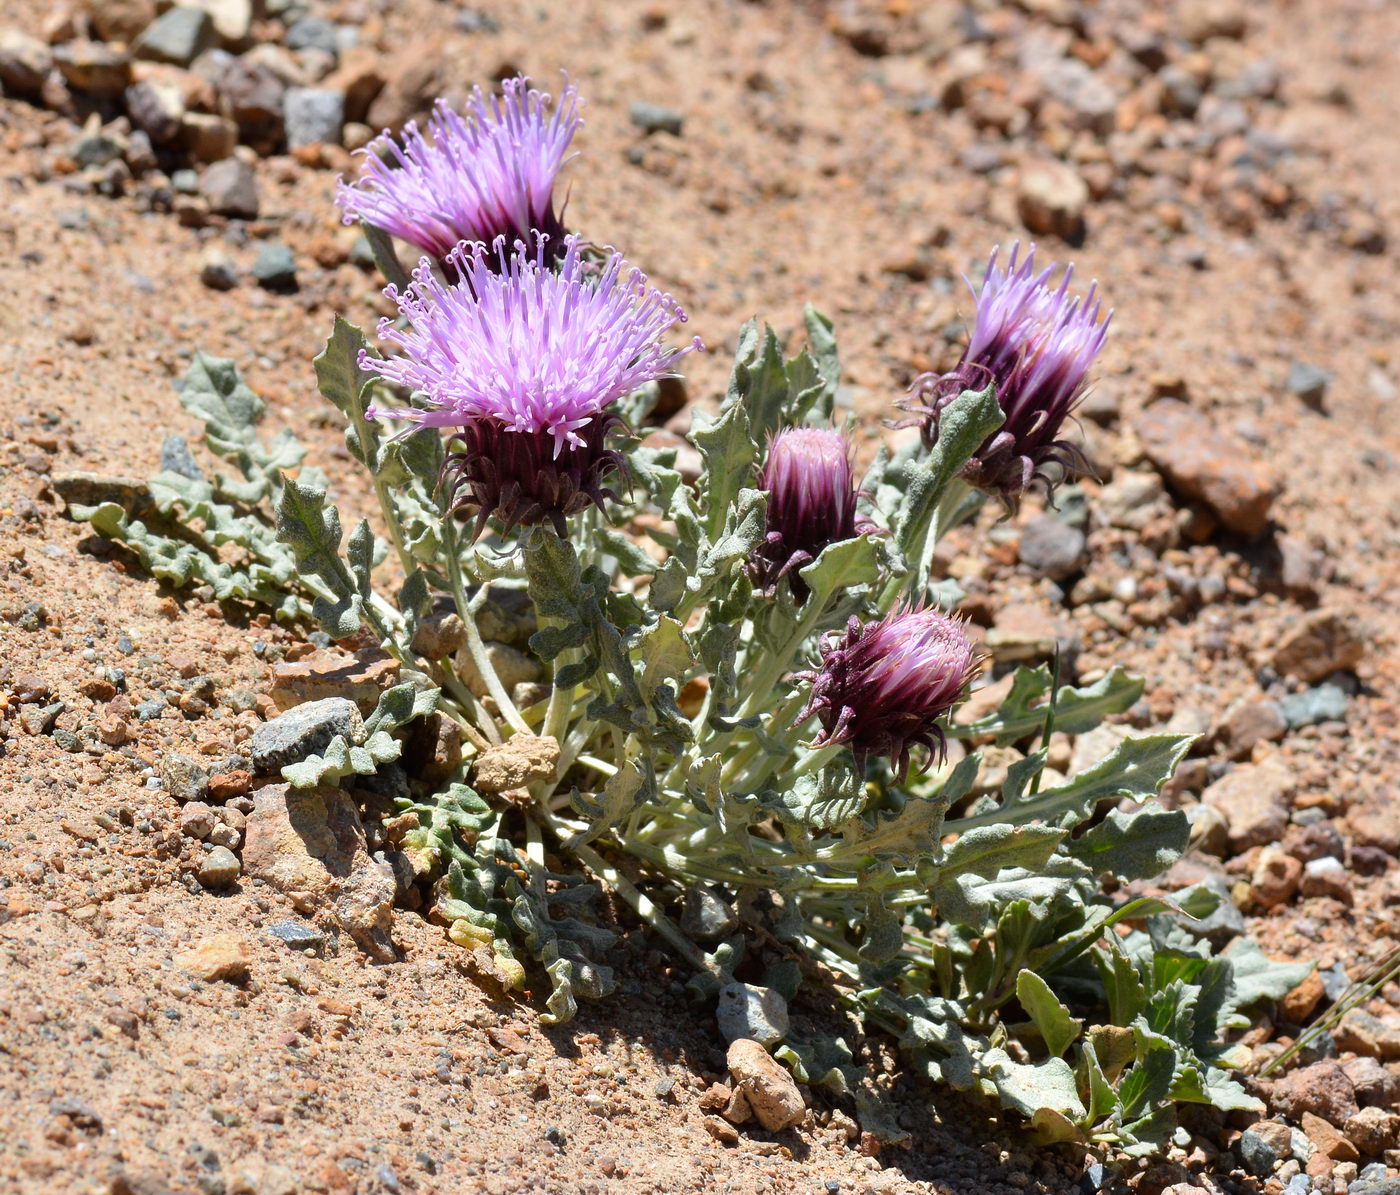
(1376, 825)
(360, 678)
(413, 77)
(1328, 1139)
(227, 785)
(1318, 644)
(1207, 466)
(310, 844)
(1322, 1089)
(1252, 799)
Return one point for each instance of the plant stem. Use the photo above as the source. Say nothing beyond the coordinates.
(475, 647)
(641, 904)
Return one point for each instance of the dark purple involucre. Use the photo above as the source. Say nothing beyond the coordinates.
(811, 503)
(884, 686)
(1036, 343)
(488, 175)
(521, 359)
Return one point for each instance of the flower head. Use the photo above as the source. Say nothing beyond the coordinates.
(811, 503)
(1036, 343)
(523, 359)
(884, 686)
(488, 174)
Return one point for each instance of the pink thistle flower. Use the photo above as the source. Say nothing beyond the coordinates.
(487, 175)
(885, 686)
(811, 503)
(1036, 343)
(523, 359)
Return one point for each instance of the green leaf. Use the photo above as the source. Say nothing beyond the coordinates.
(727, 445)
(215, 391)
(1133, 846)
(911, 829)
(844, 565)
(988, 850)
(341, 380)
(1077, 710)
(635, 561)
(1136, 768)
(922, 481)
(1029, 1088)
(1256, 977)
(311, 528)
(625, 790)
(1051, 1018)
(758, 382)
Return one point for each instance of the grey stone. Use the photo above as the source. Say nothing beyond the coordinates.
(313, 115)
(183, 778)
(225, 835)
(314, 33)
(1051, 547)
(705, 915)
(473, 20)
(93, 147)
(175, 457)
(157, 109)
(298, 935)
(361, 254)
(275, 268)
(252, 94)
(178, 36)
(1083, 91)
(746, 1010)
(306, 730)
(1181, 91)
(1380, 1185)
(220, 868)
(233, 19)
(148, 711)
(185, 182)
(1308, 383)
(1325, 703)
(1260, 1152)
(653, 118)
(231, 188)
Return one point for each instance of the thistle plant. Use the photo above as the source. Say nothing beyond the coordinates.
(754, 679)
(1035, 343)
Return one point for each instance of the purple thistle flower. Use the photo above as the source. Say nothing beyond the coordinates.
(523, 359)
(488, 175)
(811, 503)
(884, 686)
(1036, 343)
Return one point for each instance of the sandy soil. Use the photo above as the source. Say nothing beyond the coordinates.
(827, 154)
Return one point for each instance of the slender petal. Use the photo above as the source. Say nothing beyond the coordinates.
(489, 173)
(526, 350)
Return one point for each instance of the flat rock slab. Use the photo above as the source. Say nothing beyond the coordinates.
(1207, 466)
